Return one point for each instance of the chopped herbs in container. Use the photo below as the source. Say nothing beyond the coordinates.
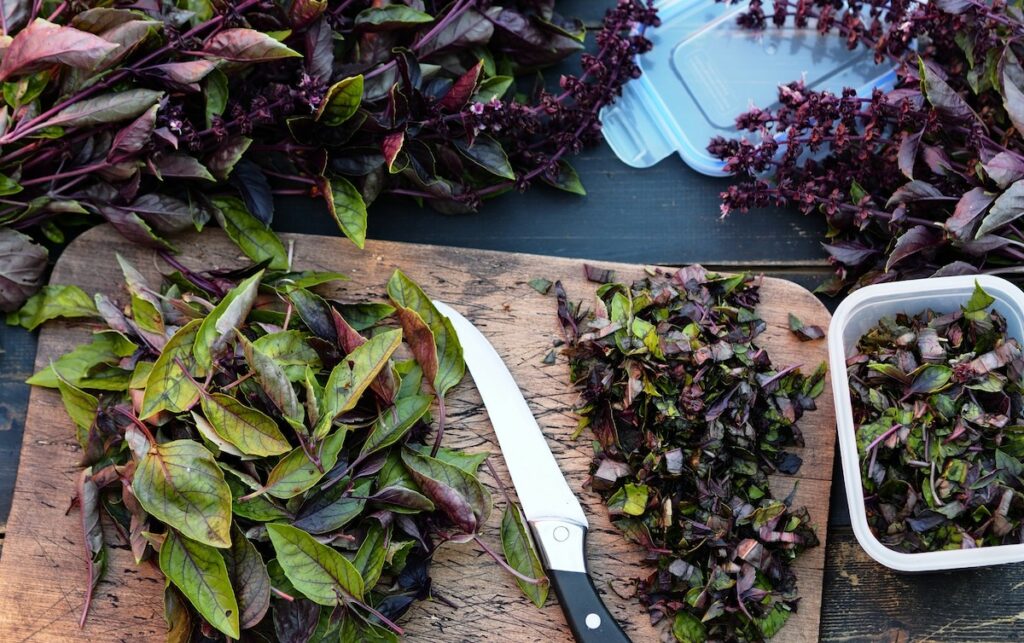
(689, 418)
(938, 406)
(272, 451)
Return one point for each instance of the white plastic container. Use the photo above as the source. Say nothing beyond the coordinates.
(857, 314)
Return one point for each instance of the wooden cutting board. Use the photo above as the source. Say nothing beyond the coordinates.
(42, 570)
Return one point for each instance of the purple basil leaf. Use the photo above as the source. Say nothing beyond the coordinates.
(22, 264)
(1008, 207)
(295, 621)
(1004, 168)
(908, 153)
(849, 253)
(254, 188)
(470, 27)
(943, 97)
(1013, 102)
(914, 241)
(968, 212)
(913, 191)
(320, 50)
(956, 268)
(598, 275)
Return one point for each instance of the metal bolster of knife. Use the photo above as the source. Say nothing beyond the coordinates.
(561, 543)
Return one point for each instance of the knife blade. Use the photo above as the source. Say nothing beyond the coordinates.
(552, 511)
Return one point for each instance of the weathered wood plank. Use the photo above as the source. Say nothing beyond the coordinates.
(42, 571)
(868, 602)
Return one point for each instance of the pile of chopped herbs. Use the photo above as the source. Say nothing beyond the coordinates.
(938, 405)
(268, 450)
(690, 418)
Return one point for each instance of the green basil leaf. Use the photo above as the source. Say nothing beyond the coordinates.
(318, 571)
(168, 387)
(521, 555)
(250, 430)
(52, 302)
(295, 473)
(201, 575)
(346, 205)
(372, 554)
(220, 324)
(395, 421)
(179, 483)
(354, 374)
(291, 351)
(256, 241)
(341, 102)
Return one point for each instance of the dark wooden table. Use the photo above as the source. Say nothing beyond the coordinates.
(667, 214)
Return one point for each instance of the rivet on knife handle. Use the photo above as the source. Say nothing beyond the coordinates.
(562, 545)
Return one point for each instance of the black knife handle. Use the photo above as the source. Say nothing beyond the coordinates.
(588, 618)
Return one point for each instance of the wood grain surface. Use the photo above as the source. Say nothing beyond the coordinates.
(42, 571)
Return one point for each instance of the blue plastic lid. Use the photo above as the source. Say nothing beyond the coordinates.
(705, 70)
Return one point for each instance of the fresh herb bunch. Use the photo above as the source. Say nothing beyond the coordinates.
(938, 403)
(921, 180)
(690, 417)
(267, 448)
(130, 114)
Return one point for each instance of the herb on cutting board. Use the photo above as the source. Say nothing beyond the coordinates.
(271, 451)
(938, 406)
(689, 418)
(923, 179)
(135, 114)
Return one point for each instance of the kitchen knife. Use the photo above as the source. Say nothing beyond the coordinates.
(554, 514)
